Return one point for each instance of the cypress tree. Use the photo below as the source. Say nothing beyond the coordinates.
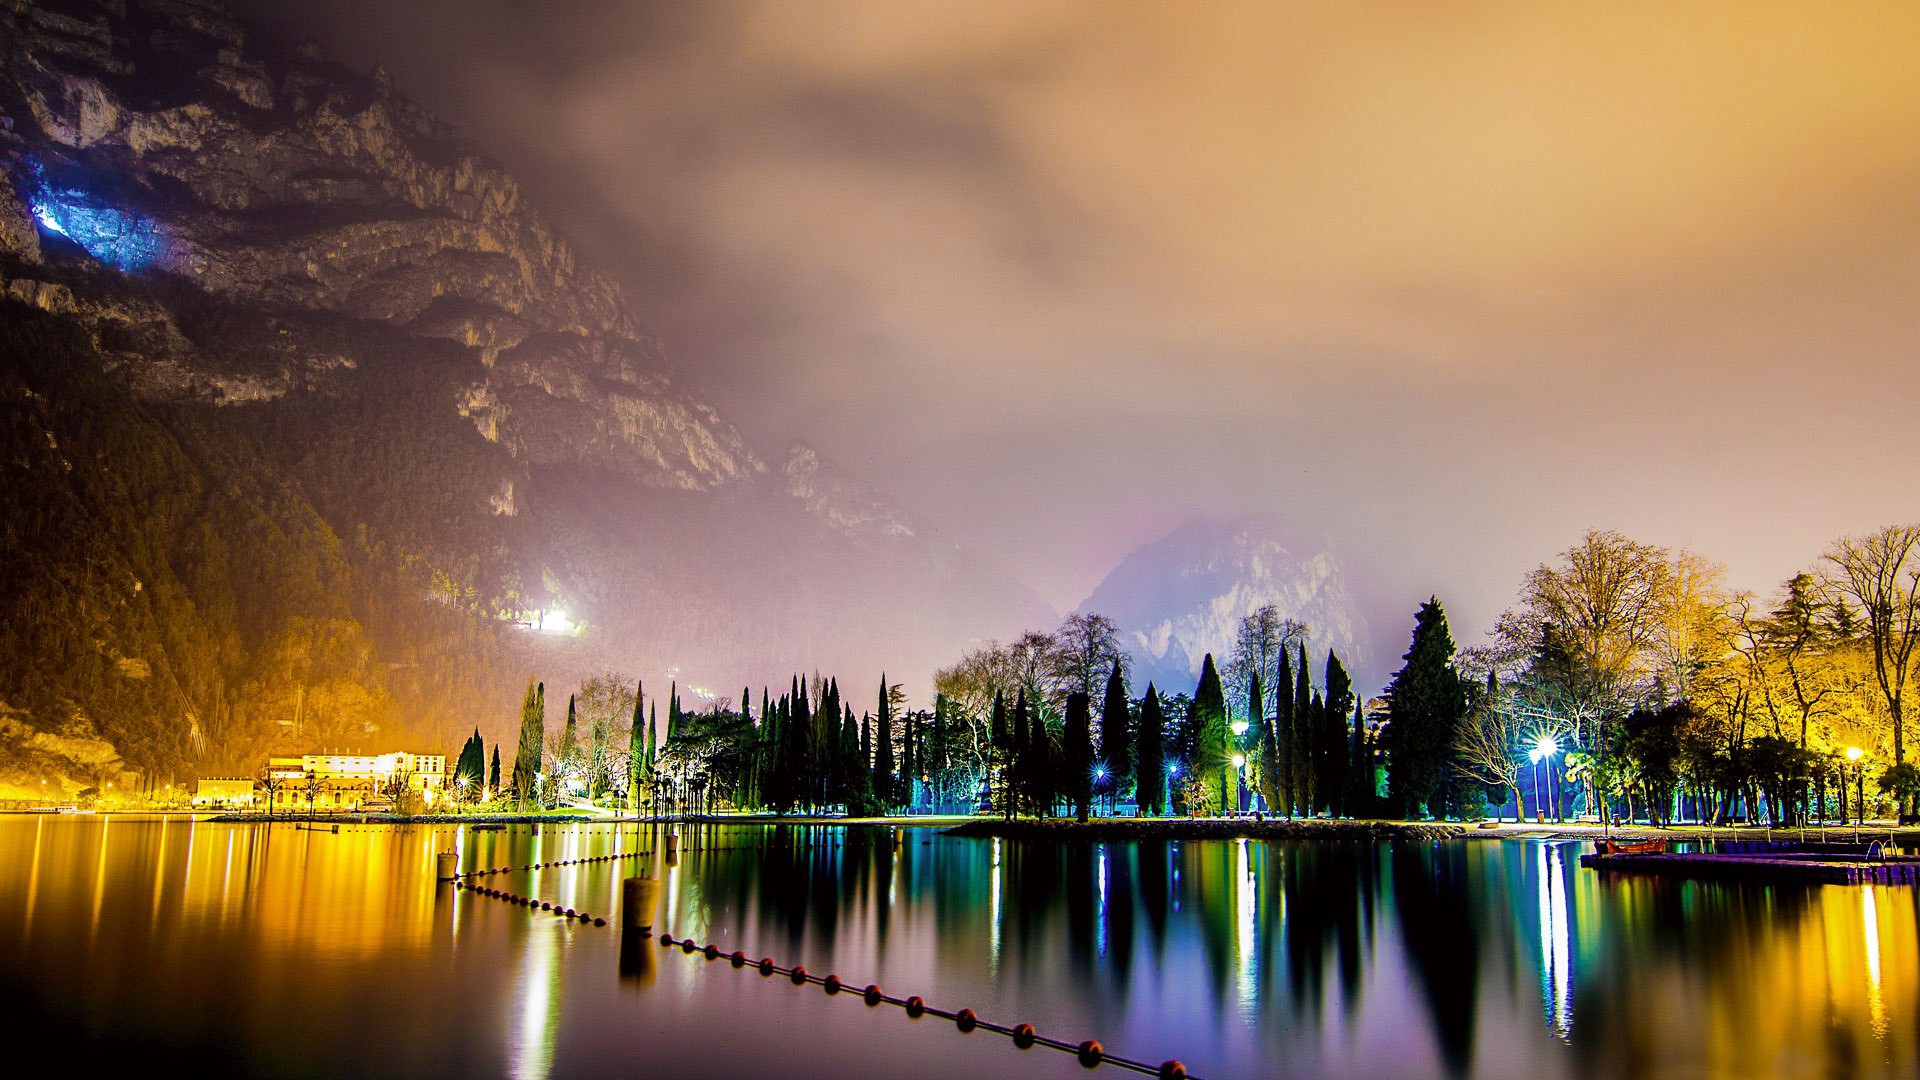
(1333, 737)
(1283, 737)
(1305, 737)
(884, 788)
(569, 739)
(493, 782)
(1116, 747)
(673, 709)
(1359, 764)
(1263, 746)
(637, 748)
(1020, 772)
(909, 760)
(1150, 777)
(1078, 749)
(866, 740)
(1002, 752)
(1425, 703)
(936, 772)
(1043, 780)
(533, 734)
(1213, 747)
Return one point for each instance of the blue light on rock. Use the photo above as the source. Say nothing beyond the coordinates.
(123, 240)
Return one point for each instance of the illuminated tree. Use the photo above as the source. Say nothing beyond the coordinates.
(1425, 702)
(527, 761)
(1213, 739)
(1879, 574)
(637, 749)
(883, 782)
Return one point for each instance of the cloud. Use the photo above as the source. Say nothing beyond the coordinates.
(1451, 282)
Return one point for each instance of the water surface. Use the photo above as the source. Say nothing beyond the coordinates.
(280, 951)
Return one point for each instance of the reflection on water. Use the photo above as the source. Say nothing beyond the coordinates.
(287, 951)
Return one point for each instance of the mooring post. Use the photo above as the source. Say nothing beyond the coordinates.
(446, 866)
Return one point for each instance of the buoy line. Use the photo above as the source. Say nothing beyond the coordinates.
(1090, 1052)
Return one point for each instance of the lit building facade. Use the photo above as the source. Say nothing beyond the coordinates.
(224, 791)
(345, 781)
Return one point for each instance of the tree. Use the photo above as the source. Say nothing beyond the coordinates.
(1424, 706)
(884, 787)
(1331, 747)
(1078, 753)
(1262, 639)
(1880, 574)
(1084, 648)
(1488, 747)
(1116, 744)
(1002, 754)
(528, 760)
(567, 760)
(493, 776)
(1213, 749)
(1306, 738)
(1284, 736)
(637, 764)
(1150, 778)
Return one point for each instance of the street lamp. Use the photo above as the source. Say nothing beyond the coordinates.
(1543, 750)
(1854, 754)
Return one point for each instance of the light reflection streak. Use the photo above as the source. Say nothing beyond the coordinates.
(531, 1048)
(33, 877)
(1100, 878)
(99, 880)
(1876, 1000)
(1556, 943)
(159, 879)
(1243, 904)
(993, 911)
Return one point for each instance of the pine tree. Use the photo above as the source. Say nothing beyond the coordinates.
(1213, 746)
(1078, 753)
(1116, 744)
(528, 760)
(1150, 776)
(1334, 754)
(1425, 704)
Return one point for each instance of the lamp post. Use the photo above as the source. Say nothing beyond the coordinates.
(1239, 778)
(1854, 754)
(1543, 750)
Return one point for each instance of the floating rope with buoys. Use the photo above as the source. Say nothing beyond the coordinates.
(1090, 1052)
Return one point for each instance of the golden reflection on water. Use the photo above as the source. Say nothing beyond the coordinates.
(1483, 958)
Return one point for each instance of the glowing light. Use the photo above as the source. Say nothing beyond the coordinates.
(1854, 753)
(1099, 773)
(556, 621)
(1173, 768)
(122, 239)
(1239, 727)
(1546, 747)
(1239, 761)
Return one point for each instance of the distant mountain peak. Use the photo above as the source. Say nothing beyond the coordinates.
(1183, 596)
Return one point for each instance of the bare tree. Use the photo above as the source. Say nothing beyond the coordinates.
(1591, 623)
(1879, 573)
(1493, 740)
(1257, 647)
(1085, 648)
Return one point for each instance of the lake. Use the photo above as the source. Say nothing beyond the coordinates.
(282, 951)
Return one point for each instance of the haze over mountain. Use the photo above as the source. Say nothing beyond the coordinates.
(1183, 596)
(310, 414)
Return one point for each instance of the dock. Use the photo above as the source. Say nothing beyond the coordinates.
(1809, 864)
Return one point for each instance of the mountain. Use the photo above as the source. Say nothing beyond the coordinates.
(309, 414)
(1183, 596)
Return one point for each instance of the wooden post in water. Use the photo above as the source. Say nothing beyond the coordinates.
(446, 866)
(639, 899)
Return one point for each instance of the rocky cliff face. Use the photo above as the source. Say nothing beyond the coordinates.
(1182, 597)
(280, 300)
(160, 138)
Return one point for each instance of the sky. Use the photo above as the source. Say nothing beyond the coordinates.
(1446, 284)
